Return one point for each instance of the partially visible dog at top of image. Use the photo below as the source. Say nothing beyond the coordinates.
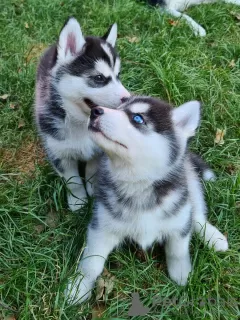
(176, 7)
(74, 75)
(149, 196)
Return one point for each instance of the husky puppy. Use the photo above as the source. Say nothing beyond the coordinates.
(148, 196)
(74, 75)
(175, 7)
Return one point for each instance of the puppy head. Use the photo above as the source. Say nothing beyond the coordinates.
(87, 68)
(145, 131)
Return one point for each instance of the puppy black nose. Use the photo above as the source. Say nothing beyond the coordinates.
(96, 112)
(124, 99)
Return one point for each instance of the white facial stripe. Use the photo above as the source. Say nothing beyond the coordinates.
(108, 52)
(139, 107)
(117, 66)
(102, 67)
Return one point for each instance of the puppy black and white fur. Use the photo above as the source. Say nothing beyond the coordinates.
(147, 188)
(176, 7)
(74, 75)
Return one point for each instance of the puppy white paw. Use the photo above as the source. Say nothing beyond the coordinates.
(218, 242)
(78, 291)
(199, 31)
(179, 270)
(215, 239)
(77, 198)
(90, 188)
(221, 245)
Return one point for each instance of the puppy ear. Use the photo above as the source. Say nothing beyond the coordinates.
(71, 41)
(187, 117)
(111, 35)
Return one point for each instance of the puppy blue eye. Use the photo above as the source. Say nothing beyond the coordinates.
(138, 119)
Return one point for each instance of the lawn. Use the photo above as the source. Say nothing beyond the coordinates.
(40, 239)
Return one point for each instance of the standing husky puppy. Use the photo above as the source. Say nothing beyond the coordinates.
(74, 75)
(175, 7)
(147, 196)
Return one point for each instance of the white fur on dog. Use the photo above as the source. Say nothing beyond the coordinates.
(175, 8)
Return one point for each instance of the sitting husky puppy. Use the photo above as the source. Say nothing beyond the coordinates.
(147, 196)
(74, 75)
(175, 7)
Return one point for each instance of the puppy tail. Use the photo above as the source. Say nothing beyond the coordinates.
(201, 167)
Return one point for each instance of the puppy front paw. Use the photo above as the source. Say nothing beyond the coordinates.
(90, 188)
(77, 198)
(78, 290)
(179, 270)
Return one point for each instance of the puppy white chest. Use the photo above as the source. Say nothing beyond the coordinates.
(147, 229)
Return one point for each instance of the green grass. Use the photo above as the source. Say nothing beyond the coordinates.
(40, 240)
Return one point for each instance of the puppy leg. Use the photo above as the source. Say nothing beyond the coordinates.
(208, 233)
(68, 169)
(99, 244)
(197, 29)
(91, 169)
(237, 2)
(178, 258)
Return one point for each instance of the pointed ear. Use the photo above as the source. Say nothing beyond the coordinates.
(187, 117)
(71, 41)
(111, 35)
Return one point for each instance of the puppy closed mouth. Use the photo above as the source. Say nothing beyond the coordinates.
(94, 126)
